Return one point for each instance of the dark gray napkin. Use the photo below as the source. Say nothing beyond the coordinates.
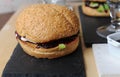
(89, 26)
(23, 65)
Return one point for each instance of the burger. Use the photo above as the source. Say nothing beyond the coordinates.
(95, 8)
(47, 30)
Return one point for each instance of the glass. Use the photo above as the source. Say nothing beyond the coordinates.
(114, 26)
(59, 2)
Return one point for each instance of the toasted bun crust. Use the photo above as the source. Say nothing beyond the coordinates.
(51, 52)
(96, 0)
(93, 12)
(118, 15)
(46, 22)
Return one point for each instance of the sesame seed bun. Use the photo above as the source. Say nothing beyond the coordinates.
(41, 23)
(46, 22)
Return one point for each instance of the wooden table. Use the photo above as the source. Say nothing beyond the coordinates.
(8, 43)
(4, 18)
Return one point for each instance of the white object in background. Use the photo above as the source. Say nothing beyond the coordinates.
(113, 44)
(107, 64)
(13, 5)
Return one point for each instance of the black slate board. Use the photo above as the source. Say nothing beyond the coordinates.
(23, 65)
(89, 25)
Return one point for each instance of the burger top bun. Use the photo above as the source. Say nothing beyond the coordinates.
(96, 0)
(46, 22)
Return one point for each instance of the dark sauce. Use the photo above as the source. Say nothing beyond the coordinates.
(52, 43)
(55, 43)
(106, 11)
(87, 3)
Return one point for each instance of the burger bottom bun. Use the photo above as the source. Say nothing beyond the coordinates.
(93, 12)
(48, 53)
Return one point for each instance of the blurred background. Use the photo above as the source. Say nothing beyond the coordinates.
(8, 8)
